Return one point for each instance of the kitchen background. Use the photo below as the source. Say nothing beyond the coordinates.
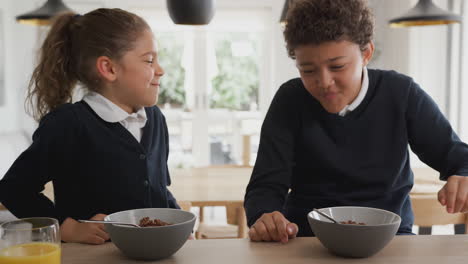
(220, 78)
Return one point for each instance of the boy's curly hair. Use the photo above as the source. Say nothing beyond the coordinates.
(318, 21)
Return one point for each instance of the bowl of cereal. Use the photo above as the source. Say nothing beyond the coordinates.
(360, 232)
(162, 232)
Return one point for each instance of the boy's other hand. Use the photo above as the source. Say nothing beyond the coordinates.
(454, 194)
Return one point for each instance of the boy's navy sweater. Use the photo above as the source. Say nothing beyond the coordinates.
(95, 166)
(361, 159)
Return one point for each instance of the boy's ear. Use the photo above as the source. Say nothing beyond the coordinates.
(368, 52)
(106, 68)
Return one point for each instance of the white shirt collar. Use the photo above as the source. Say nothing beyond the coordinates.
(361, 95)
(109, 111)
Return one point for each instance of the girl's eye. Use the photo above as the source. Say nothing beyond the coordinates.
(149, 61)
(308, 71)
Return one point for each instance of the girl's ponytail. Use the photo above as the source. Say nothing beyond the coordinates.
(54, 78)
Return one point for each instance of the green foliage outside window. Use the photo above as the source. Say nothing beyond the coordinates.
(172, 83)
(236, 85)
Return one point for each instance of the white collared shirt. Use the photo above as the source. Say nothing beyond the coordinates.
(112, 113)
(360, 97)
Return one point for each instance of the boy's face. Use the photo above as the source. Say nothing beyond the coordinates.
(332, 71)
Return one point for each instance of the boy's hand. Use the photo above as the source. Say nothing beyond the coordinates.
(273, 227)
(88, 233)
(454, 194)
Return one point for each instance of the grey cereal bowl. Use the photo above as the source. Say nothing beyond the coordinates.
(150, 243)
(356, 241)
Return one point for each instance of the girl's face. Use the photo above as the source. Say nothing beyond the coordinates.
(332, 71)
(138, 75)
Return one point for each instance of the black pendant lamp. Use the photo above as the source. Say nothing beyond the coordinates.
(191, 12)
(425, 13)
(285, 11)
(44, 14)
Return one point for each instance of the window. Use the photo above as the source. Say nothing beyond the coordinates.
(212, 84)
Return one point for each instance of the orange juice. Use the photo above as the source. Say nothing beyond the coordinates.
(31, 253)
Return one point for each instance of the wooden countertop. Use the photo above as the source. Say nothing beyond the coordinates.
(402, 249)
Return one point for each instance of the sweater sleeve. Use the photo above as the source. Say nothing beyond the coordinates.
(21, 187)
(271, 176)
(432, 138)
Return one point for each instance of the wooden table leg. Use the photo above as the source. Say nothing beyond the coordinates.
(242, 223)
(425, 230)
(246, 150)
(201, 218)
(466, 223)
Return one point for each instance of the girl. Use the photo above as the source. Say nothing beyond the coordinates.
(107, 152)
(339, 134)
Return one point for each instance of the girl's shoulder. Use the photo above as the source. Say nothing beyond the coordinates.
(59, 126)
(154, 113)
(64, 111)
(66, 116)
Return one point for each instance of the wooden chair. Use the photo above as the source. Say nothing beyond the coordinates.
(427, 209)
(185, 205)
(428, 212)
(236, 224)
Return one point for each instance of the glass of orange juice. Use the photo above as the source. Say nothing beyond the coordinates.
(30, 240)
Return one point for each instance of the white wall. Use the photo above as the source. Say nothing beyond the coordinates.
(392, 45)
(19, 41)
(464, 78)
